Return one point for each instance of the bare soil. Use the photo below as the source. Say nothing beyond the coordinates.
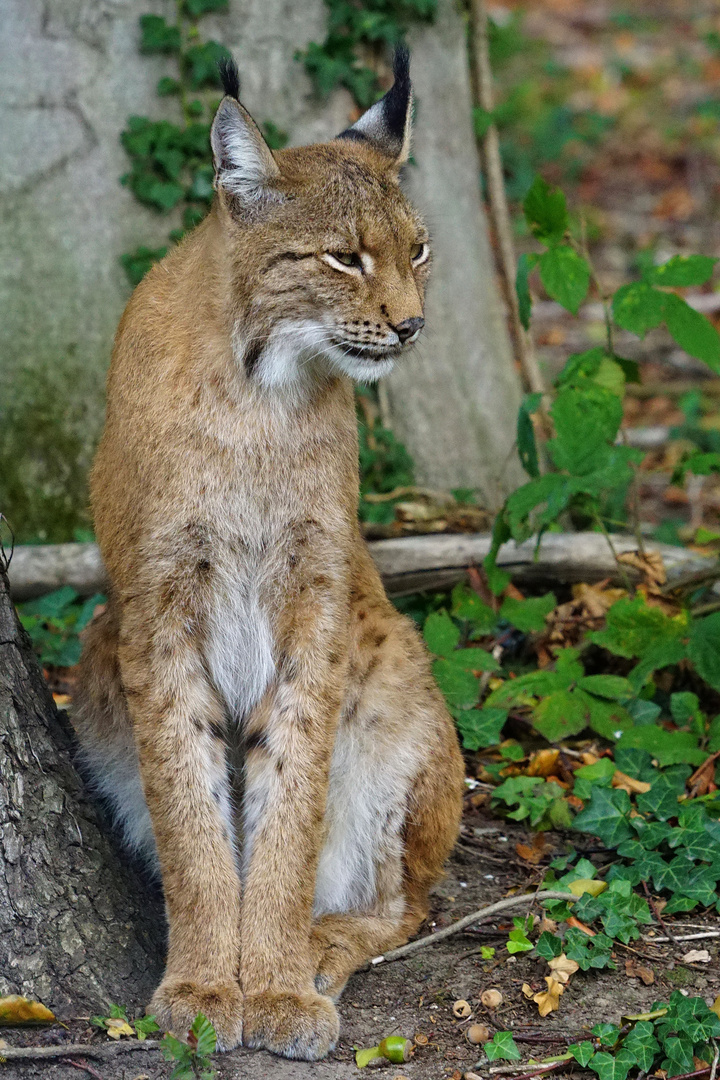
(414, 997)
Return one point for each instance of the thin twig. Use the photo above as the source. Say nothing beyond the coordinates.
(456, 927)
(541, 1070)
(482, 78)
(102, 1051)
(80, 1064)
(658, 916)
(685, 937)
(716, 1058)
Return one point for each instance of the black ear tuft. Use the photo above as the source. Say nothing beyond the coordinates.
(230, 77)
(386, 124)
(397, 99)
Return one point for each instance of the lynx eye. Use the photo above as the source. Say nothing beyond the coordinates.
(418, 253)
(347, 258)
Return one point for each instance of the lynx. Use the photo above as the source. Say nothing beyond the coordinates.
(263, 722)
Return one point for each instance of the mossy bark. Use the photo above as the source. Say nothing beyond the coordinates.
(79, 927)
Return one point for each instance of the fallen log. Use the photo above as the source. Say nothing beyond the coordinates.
(407, 564)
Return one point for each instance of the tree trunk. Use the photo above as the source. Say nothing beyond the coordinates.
(454, 400)
(79, 928)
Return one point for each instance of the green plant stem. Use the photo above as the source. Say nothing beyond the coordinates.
(621, 567)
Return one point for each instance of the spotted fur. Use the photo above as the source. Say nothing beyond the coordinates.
(262, 720)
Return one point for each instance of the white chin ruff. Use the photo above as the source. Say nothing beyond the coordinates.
(365, 371)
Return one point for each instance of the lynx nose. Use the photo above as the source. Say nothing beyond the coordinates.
(409, 328)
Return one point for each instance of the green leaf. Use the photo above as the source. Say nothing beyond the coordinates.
(612, 1066)
(638, 307)
(587, 776)
(586, 421)
(546, 212)
(582, 1052)
(565, 275)
(661, 800)
(614, 687)
(474, 659)
(204, 1032)
(440, 633)
(527, 448)
(692, 331)
(607, 1034)
(460, 687)
(642, 1044)
(167, 86)
(633, 628)
(156, 36)
(137, 263)
(196, 8)
(681, 271)
(53, 605)
(606, 816)
(525, 265)
(502, 1047)
(548, 945)
(518, 942)
(480, 728)
(588, 952)
(704, 649)
(466, 604)
(201, 62)
(560, 715)
(668, 747)
(528, 615)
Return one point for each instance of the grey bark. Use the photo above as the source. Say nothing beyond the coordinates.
(79, 927)
(454, 401)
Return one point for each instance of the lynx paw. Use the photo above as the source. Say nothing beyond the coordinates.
(176, 1003)
(302, 1026)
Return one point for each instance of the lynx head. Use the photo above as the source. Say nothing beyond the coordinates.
(329, 260)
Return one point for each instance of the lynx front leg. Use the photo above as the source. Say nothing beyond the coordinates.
(286, 790)
(178, 722)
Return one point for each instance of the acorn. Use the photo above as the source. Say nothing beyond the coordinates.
(396, 1049)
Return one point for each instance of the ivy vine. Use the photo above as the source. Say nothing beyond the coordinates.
(354, 29)
(170, 163)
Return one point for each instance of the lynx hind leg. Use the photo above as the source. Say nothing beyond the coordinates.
(394, 800)
(108, 757)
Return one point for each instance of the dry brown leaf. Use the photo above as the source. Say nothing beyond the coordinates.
(572, 921)
(549, 925)
(3, 1044)
(16, 1011)
(534, 852)
(629, 783)
(650, 564)
(633, 970)
(530, 993)
(697, 956)
(548, 1000)
(542, 763)
(562, 968)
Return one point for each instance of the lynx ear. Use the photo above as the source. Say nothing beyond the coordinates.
(244, 165)
(386, 125)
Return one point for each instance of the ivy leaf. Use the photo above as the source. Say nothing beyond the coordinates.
(704, 649)
(480, 728)
(692, 331)
(612, 1066)
(668, 747)
(681, 271)
(582, 1052)
(196, 8)
(527, 447)
(661, 801)
(589, 952)
(525, 265)
(607, 1034)
(528, 615)
(466, 604)
(546, 212)
(157, 36)
(642, 1044)
(565, 275)
(606, 816)
(548, 945)
(440, 633)
(518, 942)
(201, 62)
(502, 1047)
(638, 307)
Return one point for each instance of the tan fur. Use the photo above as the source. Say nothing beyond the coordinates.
(245, 606)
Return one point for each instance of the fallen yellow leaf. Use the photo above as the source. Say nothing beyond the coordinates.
(715, 1007)
(587, 885)
(629, 783)
(562, 968)
(548, 1000)
(15, 1010)
(528, 991)
(116, 1027)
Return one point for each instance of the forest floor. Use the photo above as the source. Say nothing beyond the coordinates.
(414, 997)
